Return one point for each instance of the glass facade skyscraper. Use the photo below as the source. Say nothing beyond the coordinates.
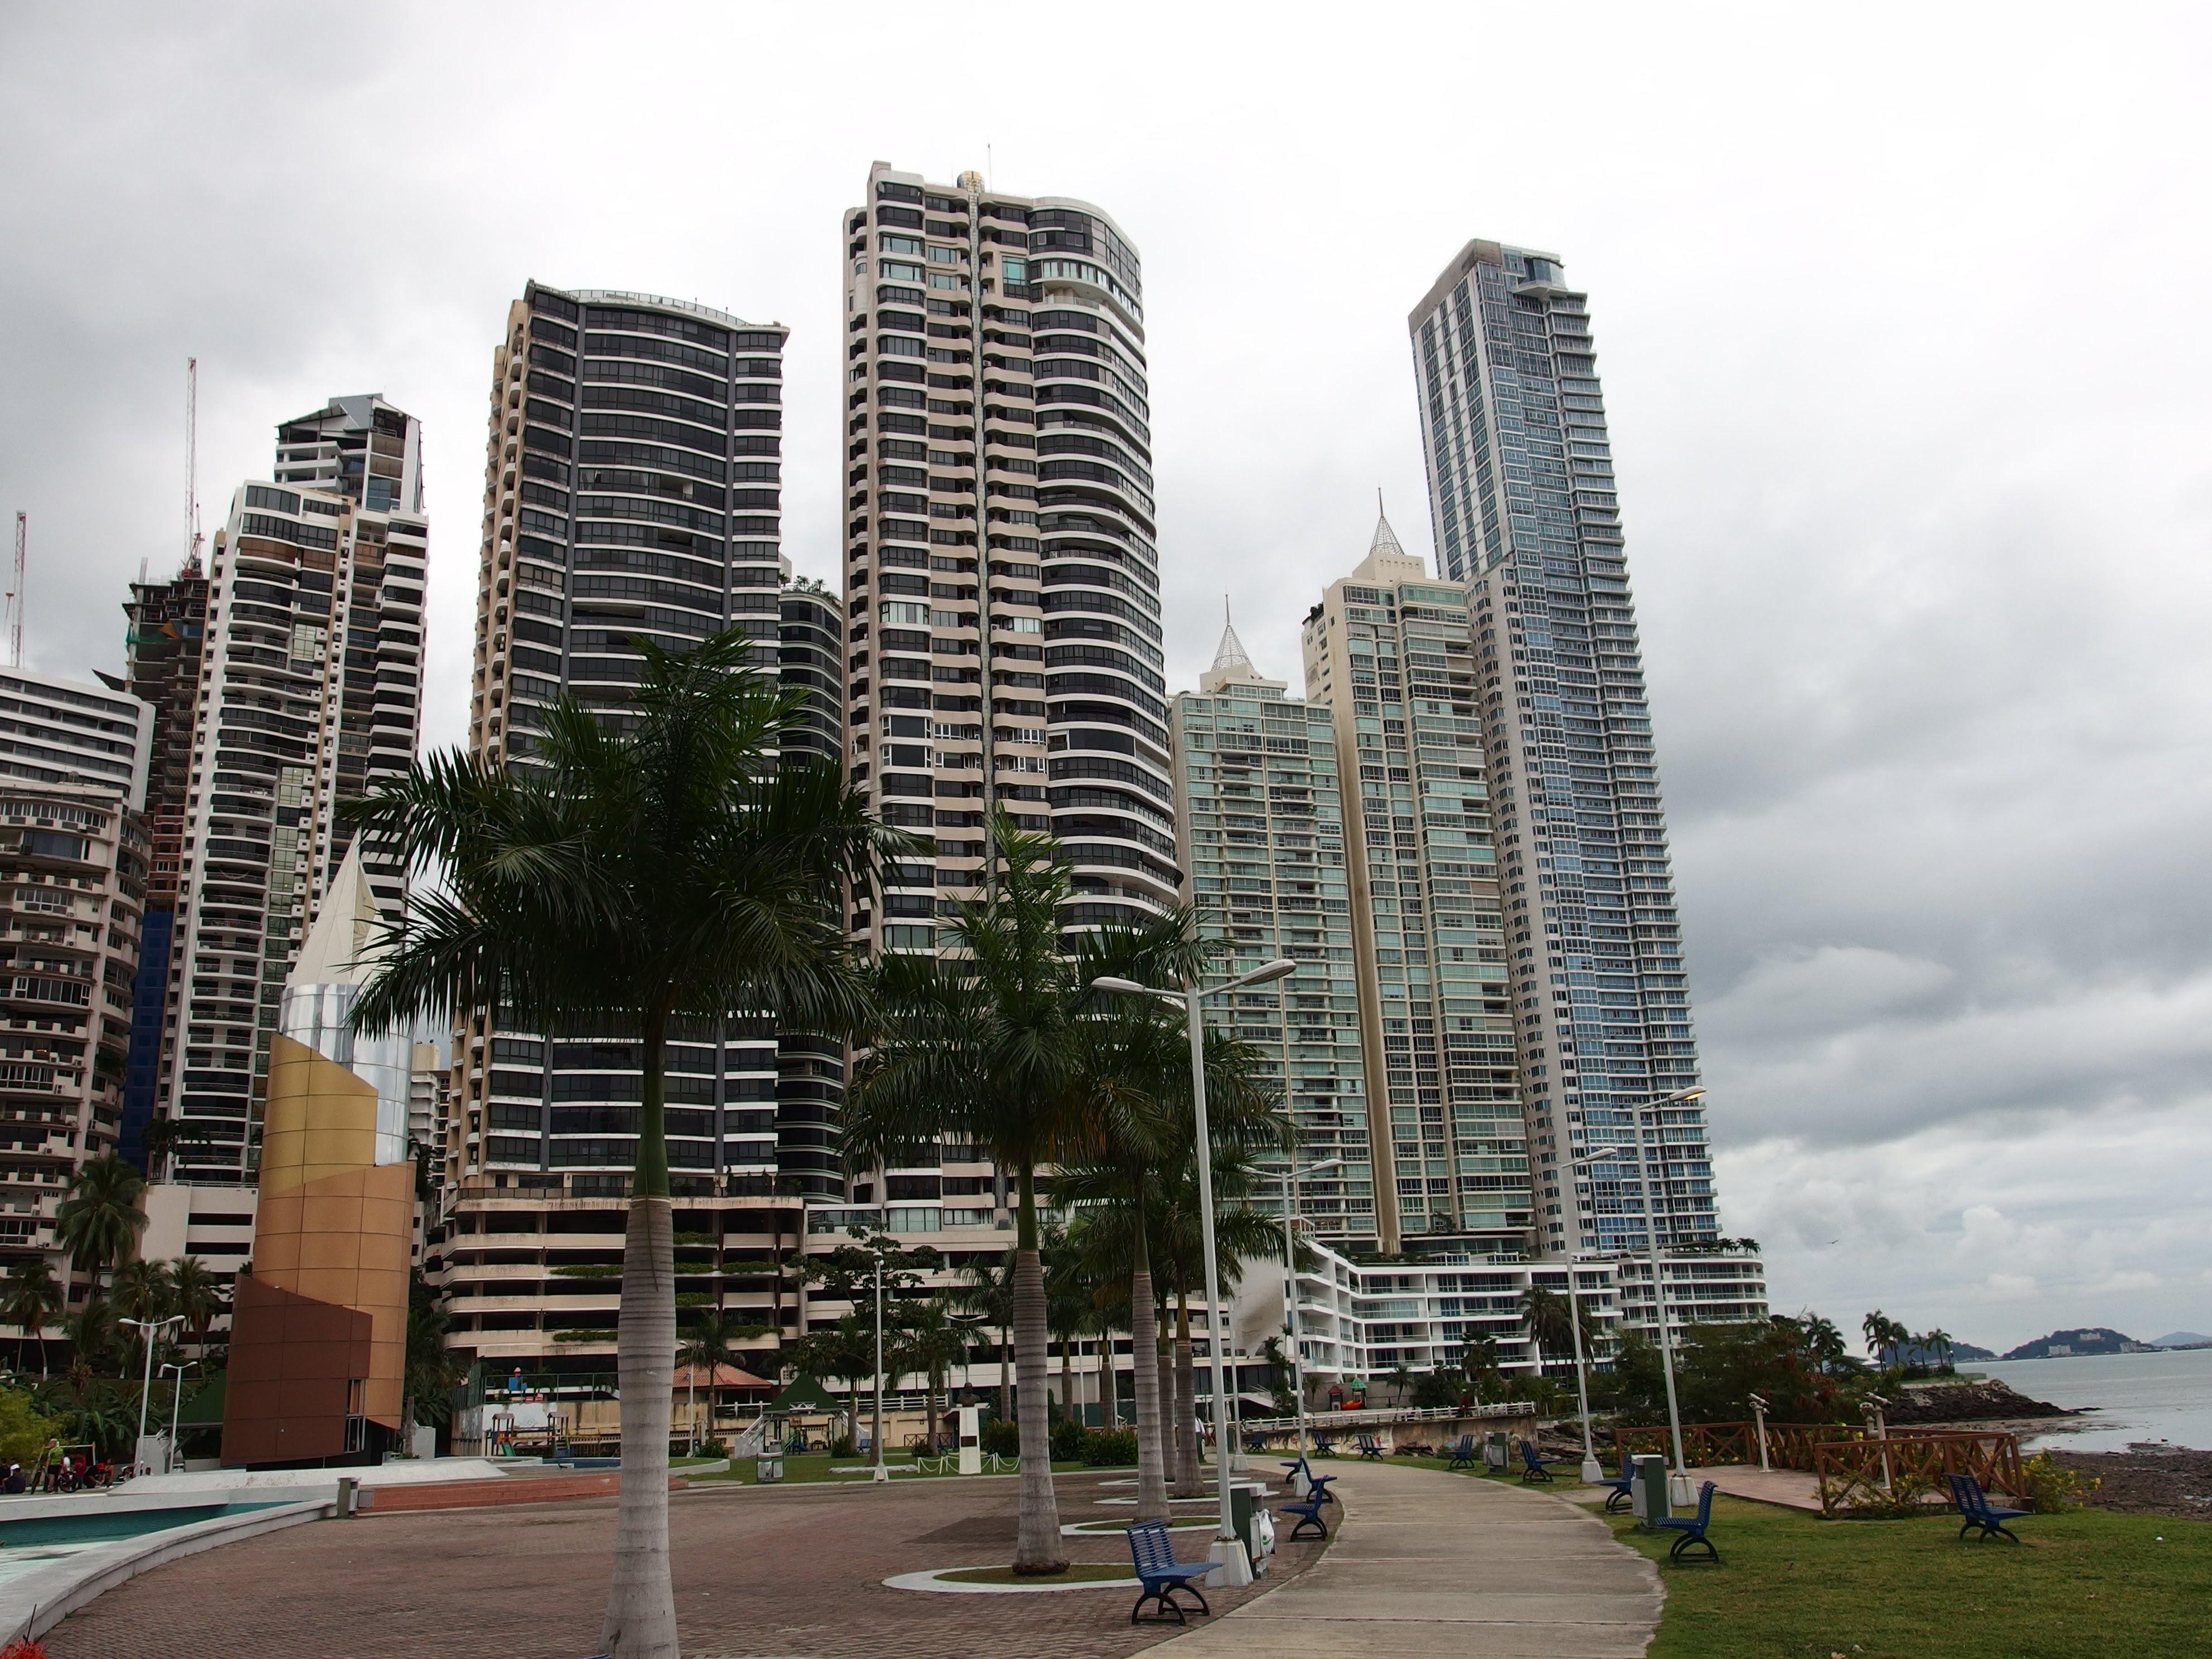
(1526, 513)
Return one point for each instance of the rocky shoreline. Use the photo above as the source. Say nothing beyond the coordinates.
(1979, 1403)
(2149, 1478)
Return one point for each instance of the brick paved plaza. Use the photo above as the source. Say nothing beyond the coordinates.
(787, 1571)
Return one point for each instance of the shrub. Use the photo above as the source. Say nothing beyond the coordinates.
(24, 1430)
(714, 1447)
(1069, 1436)
(2050, 1486)
(23, 1648)
(1110, 1449)
(1002, 1437)
(841, 1446)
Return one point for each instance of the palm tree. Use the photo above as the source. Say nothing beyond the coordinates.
(711, 1344)
(142, 1292)
(163, 1137)
(197, 1293)
(929, 1344)
(987, 1045)
(664, 866)
(100, 1221)
(433, 1371)
(1937, 1343)
(985, 1289)
(1550, 1325)
(1137, 1200)
(90, 1332)
(1884, 1335)
(29, 1296)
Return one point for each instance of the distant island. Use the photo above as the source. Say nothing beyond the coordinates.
(2089, 1340)
(2182, 1339)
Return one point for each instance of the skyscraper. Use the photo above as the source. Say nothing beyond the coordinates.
(1001, 570)
(1525, 512)
(1262, 817)
(1387, 651)
(72, 885)
(632, 487)
(312, 682)
(163, 650)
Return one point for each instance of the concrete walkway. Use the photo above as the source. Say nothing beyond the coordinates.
(1432, 1564)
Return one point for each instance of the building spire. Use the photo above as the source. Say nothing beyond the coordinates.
(1232, 664)
(1386, 540)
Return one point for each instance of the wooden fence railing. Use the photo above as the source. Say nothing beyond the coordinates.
(1871, 1473)
(1789, 1445)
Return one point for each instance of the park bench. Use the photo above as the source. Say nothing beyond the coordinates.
(1620, 1488)
(1324, 1445)
(1368, 1447)
(1693, 1528)
(1975, 1510)
(1464, 1454)
(1152, 1551)
(1533, 1468)
(1308, 1512)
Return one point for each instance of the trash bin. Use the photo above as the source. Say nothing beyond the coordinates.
(1497, 1449)
(1647, 1488)
(768, 1469)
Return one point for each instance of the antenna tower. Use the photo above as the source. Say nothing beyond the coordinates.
(191, 463)
(15, 593)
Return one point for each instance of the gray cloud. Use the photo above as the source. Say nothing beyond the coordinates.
(1907, 377)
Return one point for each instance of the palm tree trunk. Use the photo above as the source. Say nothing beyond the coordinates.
(640, 1616)
(1151, 1464)
(1067, 1376)
(1038, 1547)
(1109, 1406)
(1188, 1483)
(1164, 1367)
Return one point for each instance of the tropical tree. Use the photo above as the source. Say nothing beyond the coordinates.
(1135, 1201)
(1549, 1323)
(1937, 1344)
(100, 1221)
(164, 1137)
(90, 1332)
(985, 1289)
(710, 1342)
(929, 1345)
(142, 1292)
(663, 866)
(197, 1293)
(1884, 1336)
(1824, 1342)
(29, 1296)
(986, 1044)
(432, 1369)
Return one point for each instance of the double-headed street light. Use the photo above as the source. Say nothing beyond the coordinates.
(1291, 1174)
(1228, 1547)
(1680, 1493)
(146, 1330)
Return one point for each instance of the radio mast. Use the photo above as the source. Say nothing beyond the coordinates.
(191, 463)
(16, 593)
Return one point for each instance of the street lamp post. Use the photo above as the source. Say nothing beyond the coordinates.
(876, 1432)
(1681, 1491)
(176, 1405)
(1290, 1174)
(146, 1330)
(1236, 1567)
(1592, 1471)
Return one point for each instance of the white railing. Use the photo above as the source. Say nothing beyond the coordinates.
(1379, 1416)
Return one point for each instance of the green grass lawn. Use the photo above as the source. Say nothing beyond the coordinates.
(1792, 1586)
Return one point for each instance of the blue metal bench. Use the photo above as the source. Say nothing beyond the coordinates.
(1533, 1468)
(1152, 1551)
(1464, 1455)
(1975, 1510)
(1693, 1530)
(1316, 1484)
(1324, 1445)
(1620, 1488)
(1309, 1513)
(1368, 1447)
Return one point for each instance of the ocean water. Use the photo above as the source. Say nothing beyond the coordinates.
(2137, 1396)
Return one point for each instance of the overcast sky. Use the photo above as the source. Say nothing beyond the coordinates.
(1901, 315)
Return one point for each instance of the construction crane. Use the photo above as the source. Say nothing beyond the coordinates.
(192, 463)
(15, 593)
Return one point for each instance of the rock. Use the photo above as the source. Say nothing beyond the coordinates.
(1984, 1401)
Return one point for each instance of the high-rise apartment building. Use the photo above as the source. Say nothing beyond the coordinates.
(1526, 513)
(310, 694)
(1001, 570)
(632, 488)
(1387, 651)
(1260, 812)
(73, 866)
(163, 650)
(57, 731)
